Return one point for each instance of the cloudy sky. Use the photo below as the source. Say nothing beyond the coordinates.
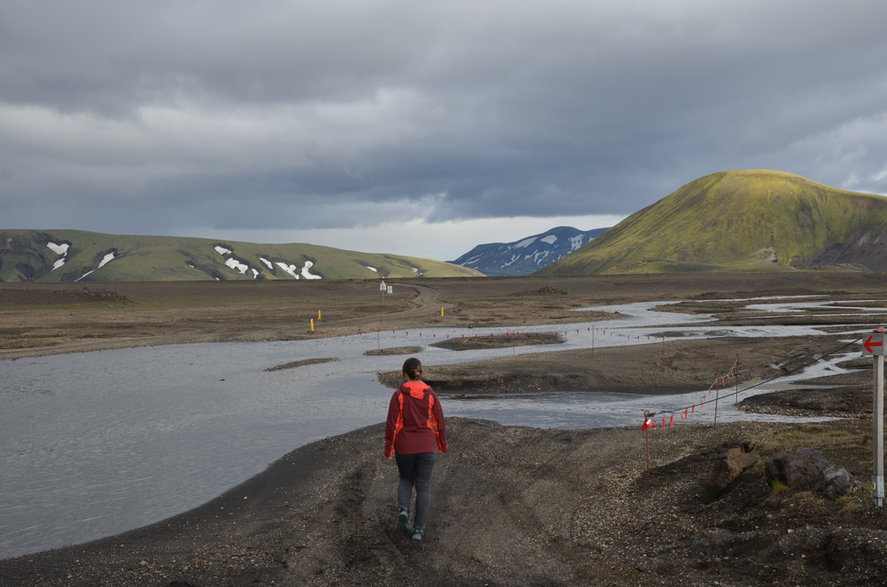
(421, 127)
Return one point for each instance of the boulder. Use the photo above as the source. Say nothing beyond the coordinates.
(807, 470)
(727, 469)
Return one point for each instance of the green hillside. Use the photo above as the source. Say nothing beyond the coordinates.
(73, 255)
(752, 220)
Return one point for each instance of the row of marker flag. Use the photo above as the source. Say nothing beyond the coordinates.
(651, 420)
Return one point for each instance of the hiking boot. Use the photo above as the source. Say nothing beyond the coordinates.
(403, 520)
(418, 533)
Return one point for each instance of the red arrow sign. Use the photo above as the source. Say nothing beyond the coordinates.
(870, 342)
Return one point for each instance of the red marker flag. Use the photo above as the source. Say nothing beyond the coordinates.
(648, 423)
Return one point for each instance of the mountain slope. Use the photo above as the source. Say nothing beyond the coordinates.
(749, 220)
(73, 255)
(527, 255)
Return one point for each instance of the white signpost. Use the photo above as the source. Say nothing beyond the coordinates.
(874, 345)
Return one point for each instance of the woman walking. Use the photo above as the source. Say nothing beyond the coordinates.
(414, 432)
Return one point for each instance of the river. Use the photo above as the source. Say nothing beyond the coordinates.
(99, 443)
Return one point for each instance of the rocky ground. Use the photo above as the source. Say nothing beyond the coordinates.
(511, 505)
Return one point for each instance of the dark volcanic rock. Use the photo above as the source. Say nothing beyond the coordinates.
(727, 469)
(808, 470)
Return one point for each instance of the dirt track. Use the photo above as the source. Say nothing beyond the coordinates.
(511, 505)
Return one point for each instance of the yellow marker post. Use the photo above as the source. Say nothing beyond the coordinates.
(441, 312)
(312, 325)
(319, 316)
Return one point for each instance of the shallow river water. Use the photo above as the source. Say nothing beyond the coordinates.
(99, 443)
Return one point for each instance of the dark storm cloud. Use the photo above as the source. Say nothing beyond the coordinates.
(278, 114)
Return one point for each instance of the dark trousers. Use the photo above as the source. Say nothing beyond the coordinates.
(415, 471)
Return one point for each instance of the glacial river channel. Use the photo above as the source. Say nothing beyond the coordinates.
(99, 443)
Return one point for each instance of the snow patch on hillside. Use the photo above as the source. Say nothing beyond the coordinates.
(306, 273)
(549, 239)
(106, 259)
(59, 249)
(576, 242)
(539, 256)
(62, 251)
(109, 256)
(236, 265)
(291, 269)
(524, 243)
(511, 261)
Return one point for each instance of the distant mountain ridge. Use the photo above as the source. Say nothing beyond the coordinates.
(527, 255)
(74, 255)
(746, 220)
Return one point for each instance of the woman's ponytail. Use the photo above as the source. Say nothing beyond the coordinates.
(412, 368)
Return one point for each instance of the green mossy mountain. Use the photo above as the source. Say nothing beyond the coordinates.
(74, 255)
(749, 220)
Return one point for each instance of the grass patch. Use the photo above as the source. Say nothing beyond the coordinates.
(814, 436)
(777, 486)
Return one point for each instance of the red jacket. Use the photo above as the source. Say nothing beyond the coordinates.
(415, 421)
